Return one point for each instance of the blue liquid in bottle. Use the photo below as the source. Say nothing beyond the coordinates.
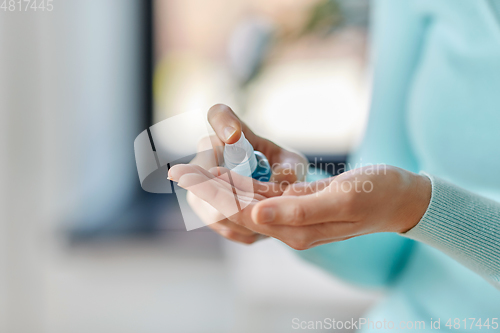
(263, 170)
(241, 158)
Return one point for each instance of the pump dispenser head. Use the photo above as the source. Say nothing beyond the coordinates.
(240, 157)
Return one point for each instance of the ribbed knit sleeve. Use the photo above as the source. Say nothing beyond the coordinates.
(465, 226)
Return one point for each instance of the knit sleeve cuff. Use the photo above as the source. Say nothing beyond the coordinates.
(463, 225)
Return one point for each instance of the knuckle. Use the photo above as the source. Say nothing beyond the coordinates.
(350, 199)
(217, 227)
(249, 240)
(204, 143)
(236, 218)
(236, 236)
(300, 243)
(230, 234)
(350, 202)
(216, 109)
(297, 214)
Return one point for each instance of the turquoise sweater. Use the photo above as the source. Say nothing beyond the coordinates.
(436, 109)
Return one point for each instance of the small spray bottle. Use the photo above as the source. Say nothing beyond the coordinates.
(242, 159)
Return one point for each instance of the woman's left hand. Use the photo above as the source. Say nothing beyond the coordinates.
(362, 201)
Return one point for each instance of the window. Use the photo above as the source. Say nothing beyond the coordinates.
(293, 70)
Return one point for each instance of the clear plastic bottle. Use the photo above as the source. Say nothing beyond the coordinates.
(241, 158)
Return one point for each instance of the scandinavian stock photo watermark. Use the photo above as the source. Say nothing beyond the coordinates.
(384, 324)
(359, 181)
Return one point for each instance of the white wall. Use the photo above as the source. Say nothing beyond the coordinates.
(68, 117)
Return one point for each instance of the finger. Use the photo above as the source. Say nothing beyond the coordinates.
(239, 238)
(322, 242)
(228, 128)
(225, 123)
(226, 225)
(284, 173)
(298, 210)
(177, 171)
(296, 237)
(305, 188)
(217, 195)
(223, 200)
(232, 234)
(266, 189)
(208, 214)
(242, 185)
(217, 222)
(306, 237)
(208, 142)
(244, 191)
(288, 166)
(209, 152)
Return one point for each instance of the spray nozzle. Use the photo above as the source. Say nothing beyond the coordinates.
(240, 156)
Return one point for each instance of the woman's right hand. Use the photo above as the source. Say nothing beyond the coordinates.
(288, 167)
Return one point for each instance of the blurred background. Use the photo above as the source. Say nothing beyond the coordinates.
(82, 247)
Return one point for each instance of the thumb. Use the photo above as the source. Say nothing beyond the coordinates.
(305, 188)
(225, 123)
(293, 210)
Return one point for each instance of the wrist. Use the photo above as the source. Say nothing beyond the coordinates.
(418, 199)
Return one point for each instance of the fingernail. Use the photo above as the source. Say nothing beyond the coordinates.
(266, 215)
(168, 176)
(229, 132)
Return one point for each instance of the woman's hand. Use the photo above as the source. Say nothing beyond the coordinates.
(361, 201)
(288, 167)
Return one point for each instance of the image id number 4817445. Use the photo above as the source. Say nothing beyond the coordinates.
(26, 5)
